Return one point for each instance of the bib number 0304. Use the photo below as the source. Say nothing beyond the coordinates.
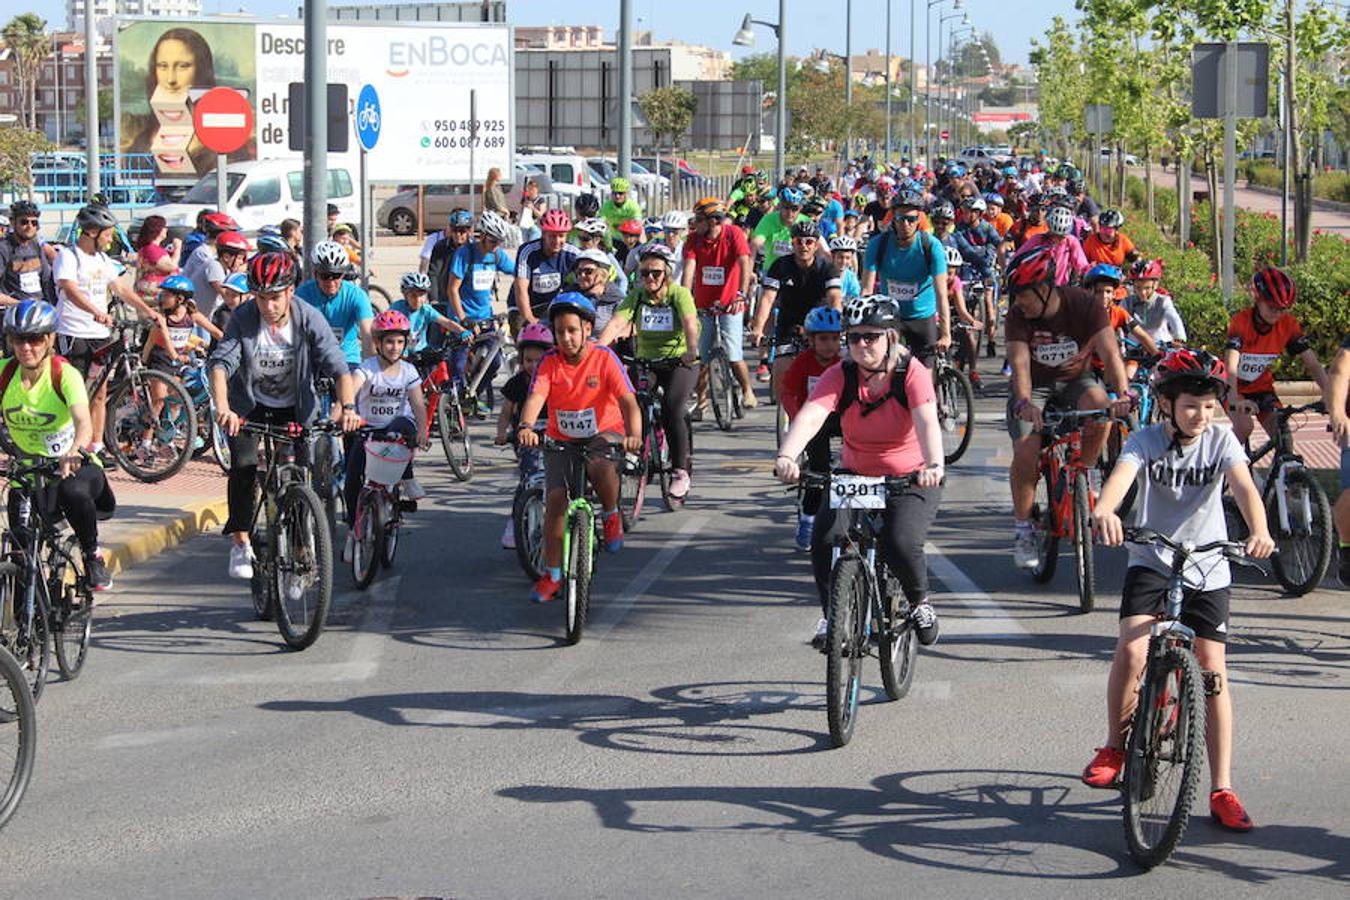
(857, 492)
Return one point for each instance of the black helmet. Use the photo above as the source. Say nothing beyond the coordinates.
(23, 208)
(587, 206)
(907, 197)
(805, 230)
(95, 218)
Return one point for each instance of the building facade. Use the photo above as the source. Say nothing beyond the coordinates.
(104, 10)
(60, 87)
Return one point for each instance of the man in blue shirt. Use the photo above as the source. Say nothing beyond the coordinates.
(346, 307)
(474, 268)
(978, 240)
(543, 264)
(910, 262)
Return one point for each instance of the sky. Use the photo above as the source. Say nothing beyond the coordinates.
(811, 24)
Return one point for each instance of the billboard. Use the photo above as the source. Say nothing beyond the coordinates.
(423, 73)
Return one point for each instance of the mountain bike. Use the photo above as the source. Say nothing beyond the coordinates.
(1165, 741)
(653, 459)
(1064, 500)
(955, 406)
(1297, 509)
(209, 433)
(445, 413)
(582, 533)
(866, 603)
(293, 574)
(723, 389)
(379, 508)
(458, 395)
(18, 735)
(44, 588)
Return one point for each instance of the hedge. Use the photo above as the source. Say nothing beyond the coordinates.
(1327, 185)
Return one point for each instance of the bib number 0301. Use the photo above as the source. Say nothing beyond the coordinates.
(857, 492)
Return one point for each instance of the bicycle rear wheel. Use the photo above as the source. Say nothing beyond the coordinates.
(18, 735)
(898, 648)
(302, 554)
(633, 484)
(324, 478)
(1043, 521)
(577, 578)
(367, 529)
(391, 520)
(1163, 756)
(662, 447)
(131, 414)
(262, 586)
(29, 645)
(721, 390)
(844, 641)
(454, 433)
(956, 412)
(72, 607)
(1306, 544)
(1082, 544)
(527, 517)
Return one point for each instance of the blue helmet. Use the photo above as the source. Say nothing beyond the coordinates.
(461, 218)
(31, 317)
(269, 229)
(1010, 171)
(272, 243)
(178, 284)
(1103, 272)
(823, 319)
(791, 197)
(238, 282)
(574, 303)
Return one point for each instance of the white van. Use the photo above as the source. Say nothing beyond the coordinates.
(261, 192)
(570, 174)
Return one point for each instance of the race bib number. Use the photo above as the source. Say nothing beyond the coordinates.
(1252, 366)
(546, 282)
(902, 291)
(339, 333)
(857, 492)
(179, 337)
(30, 282)
(657, 318)
(577, 423)
(98, 295)
(1055, 354)
(60, 442)
(483, 279)
(782, 248)
(714, 276)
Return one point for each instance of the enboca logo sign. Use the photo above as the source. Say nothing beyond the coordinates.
(435, 51)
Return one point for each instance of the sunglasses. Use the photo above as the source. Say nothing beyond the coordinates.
(583, 271)
(325, 276)
(652, 273)
(805, 240)
(28, 338)
(790, 208)
(30, 220)
(865, 337)
(909, 219)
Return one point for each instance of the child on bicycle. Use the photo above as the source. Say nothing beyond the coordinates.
(967, 351)
(534, 341)
(1182, 464)
(588, 397)
(844, 249)
(1103, 279)
(233, 291)
(1152, 306)
(421, 315)
(824, 333)
(1257, 336)
(388, 397)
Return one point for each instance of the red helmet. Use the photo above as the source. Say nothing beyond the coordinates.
(390, 320)
(1193, 371)
(1275, 287)
(632, 226)
(216, 222)
(233, 240)
(272, 272)
(1035, 267)
(1146, 268)
(556, 220)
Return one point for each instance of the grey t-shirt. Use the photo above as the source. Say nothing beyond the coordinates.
(203, 268)
(1181, 496)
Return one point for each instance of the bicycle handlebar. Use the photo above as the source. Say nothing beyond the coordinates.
(1233, 551)
(291, 430)
(894, 483)
(1317, 406)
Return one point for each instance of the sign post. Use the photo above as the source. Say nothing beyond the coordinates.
(367, 116)
(473, 139)
(223, 119)
(1099, 121)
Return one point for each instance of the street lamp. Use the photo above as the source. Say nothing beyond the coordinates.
(745, 37)
(953, 105)
(928, 74)
(965, 104)
(942, 20)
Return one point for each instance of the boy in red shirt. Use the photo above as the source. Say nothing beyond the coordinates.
(823, 327)
(589, 398)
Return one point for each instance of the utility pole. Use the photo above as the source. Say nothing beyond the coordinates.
(316, 124)
(626, 93)
(91, 120)
(886, 156)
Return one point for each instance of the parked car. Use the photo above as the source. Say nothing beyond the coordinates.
(399, 212)
(987, 155)
(688, 174)
(1130, 159)
(261, 192)
(604, 168)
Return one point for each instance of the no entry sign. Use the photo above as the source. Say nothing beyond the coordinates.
(223, 119)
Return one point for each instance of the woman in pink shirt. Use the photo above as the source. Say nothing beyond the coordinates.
(1066, 249)
(888, 415)
(154, 260)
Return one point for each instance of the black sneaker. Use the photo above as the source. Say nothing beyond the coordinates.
(1343, 571)
(100, 579)
(925, 622)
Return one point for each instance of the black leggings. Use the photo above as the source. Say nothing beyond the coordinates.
(677, 385)
(818, 459)
(905, 526)
(81, 499)
(244, 465)
(355, 451)
(921, 337)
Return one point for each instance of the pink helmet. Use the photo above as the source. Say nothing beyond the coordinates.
(535, 334)
(556, 220)
(390, 320)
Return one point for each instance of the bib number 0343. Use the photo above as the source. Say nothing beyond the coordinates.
(857, 492)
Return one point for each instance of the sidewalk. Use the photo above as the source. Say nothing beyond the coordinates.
(151, 518)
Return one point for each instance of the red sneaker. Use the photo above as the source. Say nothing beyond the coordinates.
(614, 532)
(544, 589)
(1104, 770)
(1226, 809)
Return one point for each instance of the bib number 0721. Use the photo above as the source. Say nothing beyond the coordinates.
(857, 492)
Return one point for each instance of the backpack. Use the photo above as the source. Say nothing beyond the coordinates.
(11, 368)
(922, 237)
(851, 386)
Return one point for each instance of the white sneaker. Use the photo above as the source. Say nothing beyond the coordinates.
(1025, 552)
(349, 547)
(509, 535)
(409, 489)
(241, 561)
(818, 639)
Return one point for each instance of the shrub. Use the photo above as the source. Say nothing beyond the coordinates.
(1326, 185)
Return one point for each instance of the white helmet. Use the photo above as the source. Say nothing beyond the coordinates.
(975, 203)
(330, 258)
(954, 259)
(593, 226)
(675, 220)
(1059, 220)
(843, 242)
(492, 225)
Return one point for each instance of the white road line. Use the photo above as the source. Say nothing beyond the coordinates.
(989, 619)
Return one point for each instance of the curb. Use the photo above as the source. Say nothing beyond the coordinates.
(149, 541)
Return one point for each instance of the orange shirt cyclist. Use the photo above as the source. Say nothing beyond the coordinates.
(1108, 244)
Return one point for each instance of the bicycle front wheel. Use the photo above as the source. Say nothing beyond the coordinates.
(220, 444)
(956, 412)
(898, 648)
(72, 607)
(577, 579)
(18, 735)
(302, 559)
(454, 432)
(1043, 522)
(366, 531)
(1082, 544)
(721, 390)
(1304, 536)
(131, 416)
(1163, 756)
(844, 641)
(527, 518)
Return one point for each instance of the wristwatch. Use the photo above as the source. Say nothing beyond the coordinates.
(349, 407)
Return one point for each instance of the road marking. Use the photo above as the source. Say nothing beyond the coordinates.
(126, 740)
(963, 590)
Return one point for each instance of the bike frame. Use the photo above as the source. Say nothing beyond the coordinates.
(1062, 460)
(36, 595)
(1284, 460)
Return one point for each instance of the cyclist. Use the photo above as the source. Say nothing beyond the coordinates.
(1062, 245)
(533, 342)
(844, 253)
(1032, 222)
(25, 271)
(46, 413)
(1181, 465)
(652, 233)
(586, 207)
(718, 269)
(593, 279)
(1051, 333)
(979, 242)
(995, 214)
(543, 265)
(1257, 336)
(592, 234)
(796, 284)
(887, 413)
(773, 234)
(233, 292)
(415, 288)
(588, 396)
(388, 397)
(1153, 308)
(1103, 280)
(619, 207)
(823, 329)
(674, 231)
(439, 251)
(958, 310)
(665, 321)
(264, 370)
(343, 303)
(630, 236)
(909, 263)
(474, 269)
(211, 262)
(1108, 244)
(169, 348)
(1338, 406)
(943, 219)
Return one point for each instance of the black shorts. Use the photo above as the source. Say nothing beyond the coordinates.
(79, 351)
(161, 361)
(1204, 612)
(557, 465)
(1266, 401)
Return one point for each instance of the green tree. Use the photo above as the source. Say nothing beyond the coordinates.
(669, 112)
(105, 106)
(26, 36)
(17, 146)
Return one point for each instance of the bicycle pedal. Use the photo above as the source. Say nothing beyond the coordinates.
(407, 506)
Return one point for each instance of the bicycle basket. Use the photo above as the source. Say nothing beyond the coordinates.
(386, 461)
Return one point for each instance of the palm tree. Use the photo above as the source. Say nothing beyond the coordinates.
(26, 35)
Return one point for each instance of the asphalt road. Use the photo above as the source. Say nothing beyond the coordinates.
(440, 741)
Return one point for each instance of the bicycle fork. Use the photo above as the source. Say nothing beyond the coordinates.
(1302, 507)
